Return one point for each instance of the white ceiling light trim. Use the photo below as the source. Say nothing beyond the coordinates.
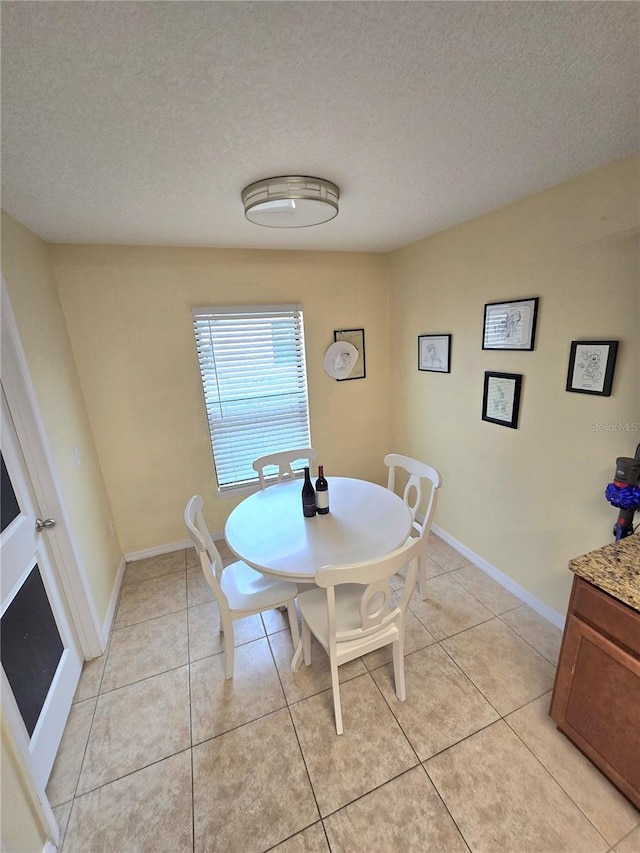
(291, 201)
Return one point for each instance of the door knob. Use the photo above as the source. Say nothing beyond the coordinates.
(48, 523)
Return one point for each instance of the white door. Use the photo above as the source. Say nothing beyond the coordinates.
(41, 660)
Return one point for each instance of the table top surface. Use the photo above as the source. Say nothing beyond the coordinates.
(269, 532)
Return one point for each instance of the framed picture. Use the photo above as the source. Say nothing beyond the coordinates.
(434, 353)
(510, 325)
(355, 337)
(591, 365)
(501, 399)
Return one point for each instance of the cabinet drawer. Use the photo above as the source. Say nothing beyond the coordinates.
(610, 616)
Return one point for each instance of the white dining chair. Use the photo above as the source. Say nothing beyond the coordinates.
(418, 475)
(283, 460)
(353, 612)
(239, 589)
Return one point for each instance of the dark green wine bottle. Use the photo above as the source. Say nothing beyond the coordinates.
(308, 496)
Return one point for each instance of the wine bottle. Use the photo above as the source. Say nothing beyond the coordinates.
(322, 492)
(308, 496)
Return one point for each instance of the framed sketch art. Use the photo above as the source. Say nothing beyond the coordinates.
(434, 353)
(591, 366)
(510, 325)
(501, 398)
(355, 337)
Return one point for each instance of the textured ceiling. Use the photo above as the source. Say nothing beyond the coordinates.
(140, 122)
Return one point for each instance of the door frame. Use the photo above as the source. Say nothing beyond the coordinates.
(63, 549)
(20, 394)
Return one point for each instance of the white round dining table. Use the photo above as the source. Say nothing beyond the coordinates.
(269, 532)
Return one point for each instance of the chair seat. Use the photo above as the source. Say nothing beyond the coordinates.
(239, 590)
(247, 589)
(354, 611)
(313, 606)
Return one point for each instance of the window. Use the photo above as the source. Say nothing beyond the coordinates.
(255, 385)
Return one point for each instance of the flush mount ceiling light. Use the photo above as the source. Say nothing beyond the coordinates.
(290, 201)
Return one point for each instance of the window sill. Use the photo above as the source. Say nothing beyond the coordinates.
(237, 491)
(250, 488)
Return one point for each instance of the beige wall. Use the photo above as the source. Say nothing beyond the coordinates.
(34, 297)
(127, 312)
(525, 500)
(128, 315)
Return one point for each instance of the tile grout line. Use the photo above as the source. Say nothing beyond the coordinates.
(442, 800)
(468, 677)
(471, 734)
(95, 707)
(624, 837)
(399, 724)
(515, 633)
(148, 677)
(295, 731)
(556, 781)
(487, 577)
(420, 763)
(360, 796)
(524, 639)
(131, 773)
(486, 698)
(382, 784)
(289, 706)
(98, 696)
(193, 809)
(91, 724)
(456, 633)
(451, 574)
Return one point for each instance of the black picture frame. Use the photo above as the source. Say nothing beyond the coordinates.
(355, 337)
(501, 398)
(434, 353)
(510, 325)
(591, 367)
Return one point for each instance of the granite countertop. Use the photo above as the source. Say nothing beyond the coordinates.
(615, 569)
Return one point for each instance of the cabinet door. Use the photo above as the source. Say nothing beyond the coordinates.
(598, 704)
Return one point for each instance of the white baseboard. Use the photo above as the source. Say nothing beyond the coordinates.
(524, 595)
(157, 550)
(113, 603)
(132, 556)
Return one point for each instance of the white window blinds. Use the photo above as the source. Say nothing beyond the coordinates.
(255, 384)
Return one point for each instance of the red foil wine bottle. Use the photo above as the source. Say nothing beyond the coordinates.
(322, 492)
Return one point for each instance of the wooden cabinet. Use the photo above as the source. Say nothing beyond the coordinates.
(596, 697)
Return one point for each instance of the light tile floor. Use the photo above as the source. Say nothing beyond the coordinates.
(161, 754)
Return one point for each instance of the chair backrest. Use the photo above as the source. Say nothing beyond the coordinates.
(418, 473)
(283, 461)
(210, 558)
(375, 612)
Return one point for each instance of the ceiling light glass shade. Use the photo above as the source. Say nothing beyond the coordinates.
(290, 202)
